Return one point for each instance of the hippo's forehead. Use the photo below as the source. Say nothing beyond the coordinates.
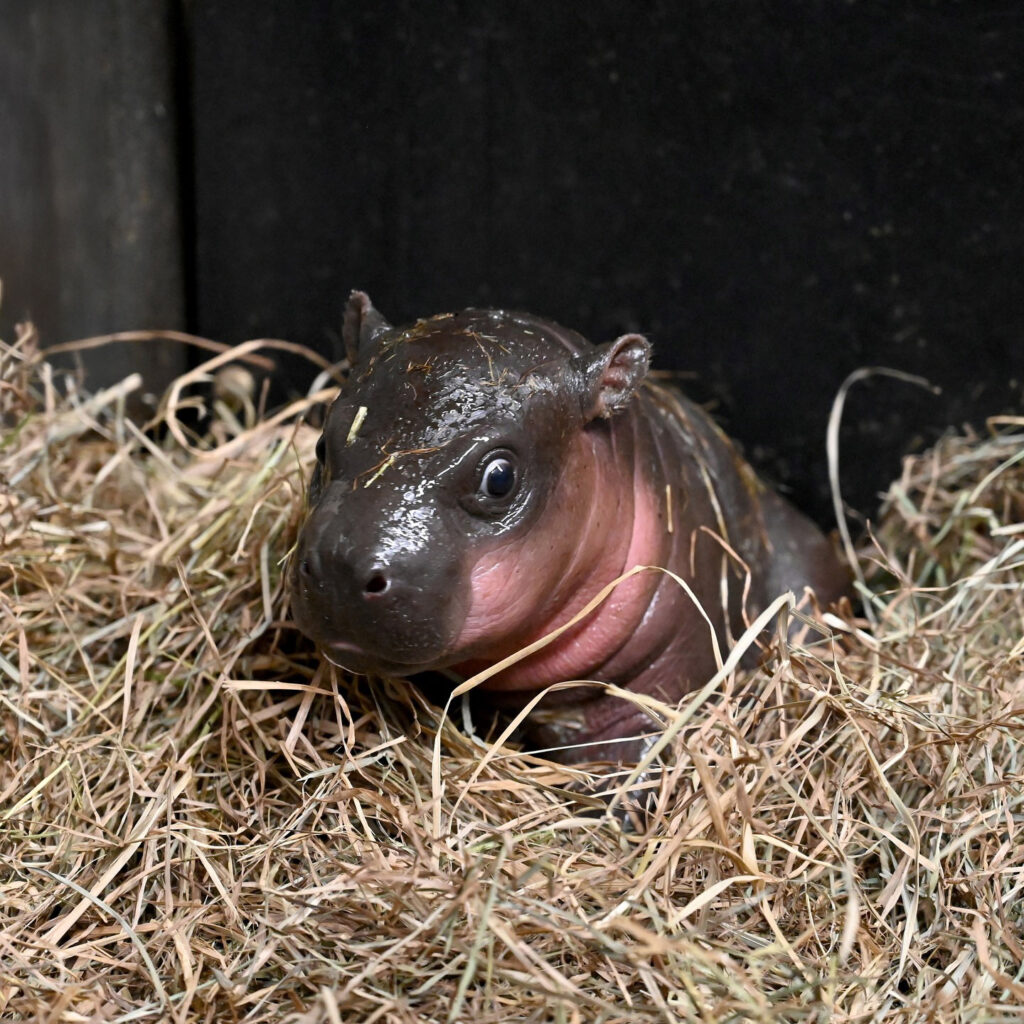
(520, 337)
(451, 376)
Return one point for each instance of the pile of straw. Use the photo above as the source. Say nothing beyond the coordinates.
(200, 822)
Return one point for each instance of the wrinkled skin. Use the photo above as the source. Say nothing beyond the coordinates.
(482, 475)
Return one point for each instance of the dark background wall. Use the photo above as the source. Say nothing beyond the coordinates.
(774, 198)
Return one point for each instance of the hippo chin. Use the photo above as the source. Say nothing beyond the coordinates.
(483, 475)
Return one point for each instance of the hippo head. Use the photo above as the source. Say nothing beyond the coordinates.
(431, 538)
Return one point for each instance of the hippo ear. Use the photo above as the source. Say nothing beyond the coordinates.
(612, 373)
(362, 325)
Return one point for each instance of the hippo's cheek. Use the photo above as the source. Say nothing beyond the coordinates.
(523, 591)
(508, 613)
(505, 591)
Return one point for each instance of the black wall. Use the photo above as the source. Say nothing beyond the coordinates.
(775, 198)
(775, 193)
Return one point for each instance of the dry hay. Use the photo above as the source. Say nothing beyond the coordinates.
(199, 822)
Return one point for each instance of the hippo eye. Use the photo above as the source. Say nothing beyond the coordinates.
(497, 478)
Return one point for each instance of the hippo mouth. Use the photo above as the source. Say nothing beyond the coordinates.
(361, 661)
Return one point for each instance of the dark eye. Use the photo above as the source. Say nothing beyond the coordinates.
(498, 477)
(320, 449)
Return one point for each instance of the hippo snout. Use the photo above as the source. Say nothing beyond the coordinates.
(373, 606)
(350, 579)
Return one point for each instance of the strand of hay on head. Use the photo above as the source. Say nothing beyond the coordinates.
(200, 821)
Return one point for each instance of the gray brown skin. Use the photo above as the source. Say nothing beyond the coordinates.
(501, 472)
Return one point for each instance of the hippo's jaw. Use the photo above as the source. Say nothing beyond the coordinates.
(401, 644)
(353, 658)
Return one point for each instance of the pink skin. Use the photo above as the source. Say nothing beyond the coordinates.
(616, 524)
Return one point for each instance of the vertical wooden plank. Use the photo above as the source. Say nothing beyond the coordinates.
(90, 220)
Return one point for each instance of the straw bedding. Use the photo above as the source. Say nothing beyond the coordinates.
(199, 821)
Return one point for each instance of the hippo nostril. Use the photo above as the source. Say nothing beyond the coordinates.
(377, 583)
(304, 567)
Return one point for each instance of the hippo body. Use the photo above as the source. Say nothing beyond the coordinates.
(483, 475)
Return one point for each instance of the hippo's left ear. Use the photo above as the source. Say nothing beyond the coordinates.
(362, 325)
(612, 372)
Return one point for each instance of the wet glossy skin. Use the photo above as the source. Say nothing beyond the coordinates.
(482, 475)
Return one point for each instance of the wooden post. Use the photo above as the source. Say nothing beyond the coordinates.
(90, 216)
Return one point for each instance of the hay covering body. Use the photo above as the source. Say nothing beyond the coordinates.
(199, 822)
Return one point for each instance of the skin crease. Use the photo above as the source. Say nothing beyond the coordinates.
(405, 564)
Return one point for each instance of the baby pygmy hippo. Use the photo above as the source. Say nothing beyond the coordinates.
(483, 475)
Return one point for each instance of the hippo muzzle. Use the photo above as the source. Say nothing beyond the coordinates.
(375, 581)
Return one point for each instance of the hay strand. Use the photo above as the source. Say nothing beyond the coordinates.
(200, 821)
